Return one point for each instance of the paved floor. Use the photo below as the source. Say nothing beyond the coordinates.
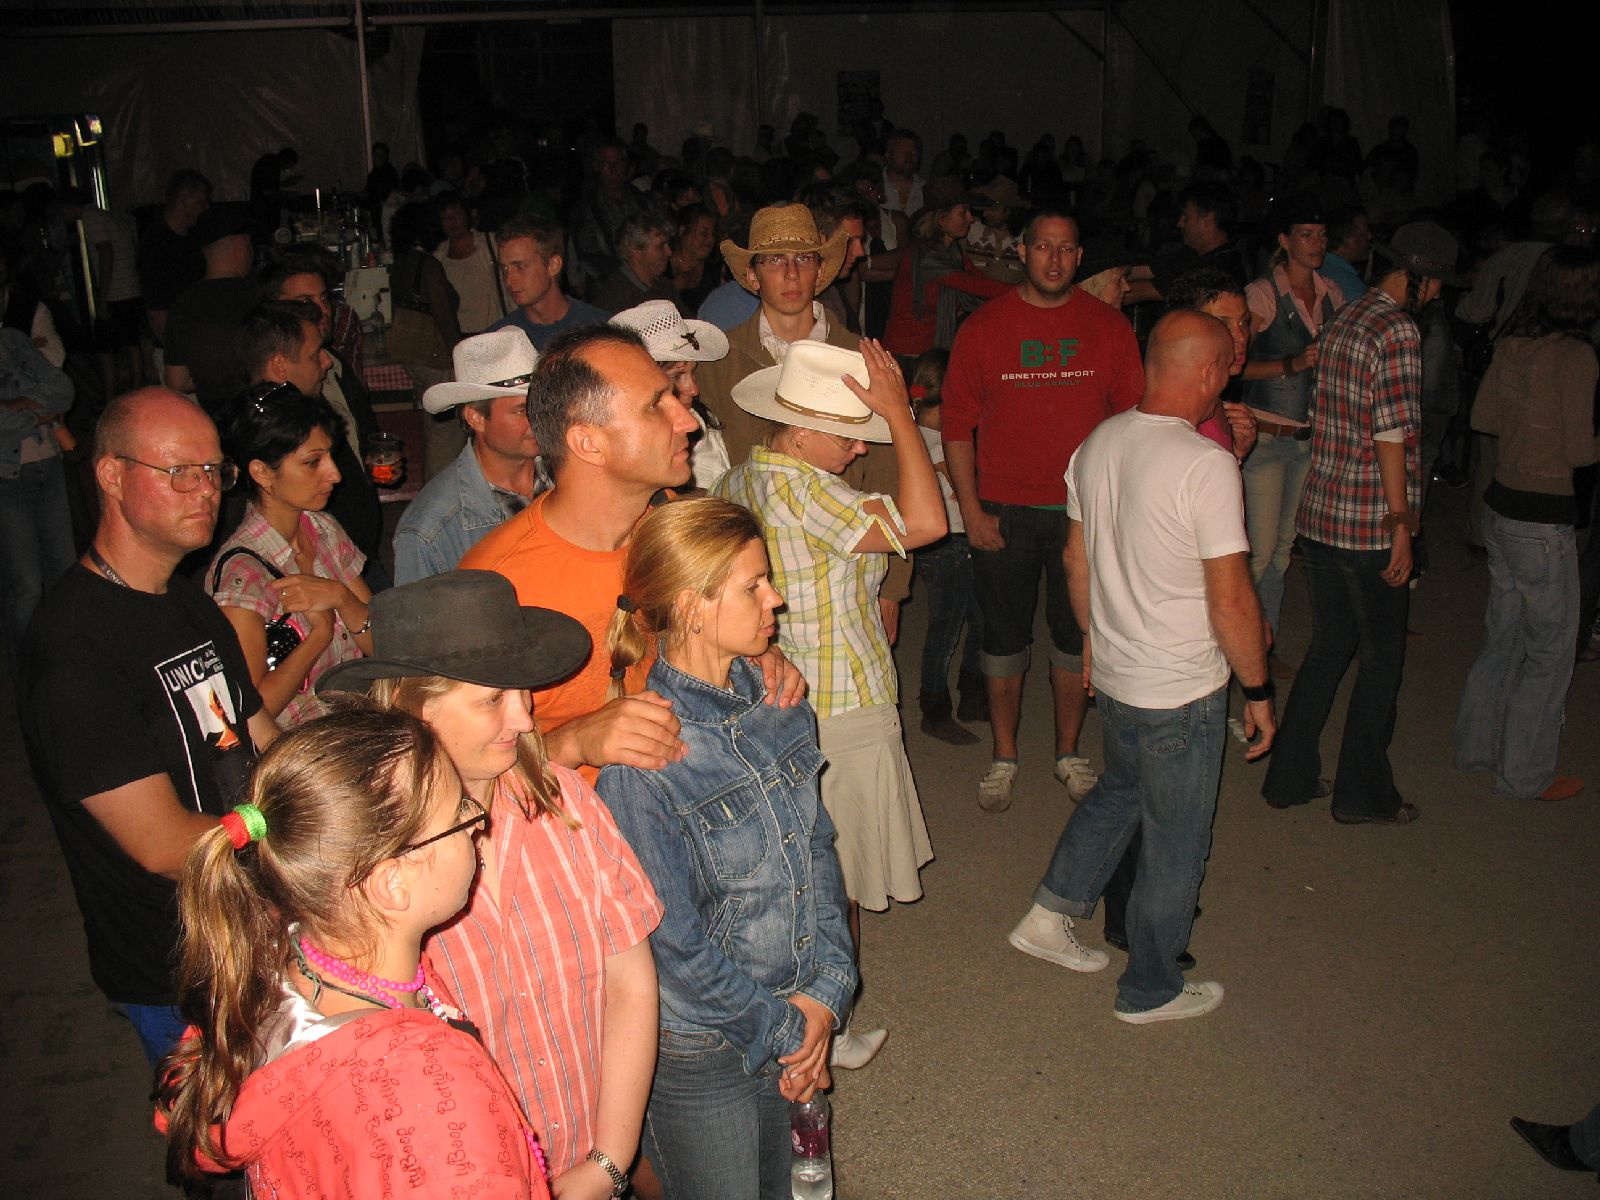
(1394, 995)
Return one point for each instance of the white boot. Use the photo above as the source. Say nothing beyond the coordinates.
(853, 1050)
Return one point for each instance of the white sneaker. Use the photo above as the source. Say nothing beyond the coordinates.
(853, 1051)
(1048, 935)
(1196, 1000)
(994, 789)
(1077, 775)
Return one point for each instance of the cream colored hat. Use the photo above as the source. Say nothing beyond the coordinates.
(488, 365)
(670, 336)
(808, 391)
(786, 229)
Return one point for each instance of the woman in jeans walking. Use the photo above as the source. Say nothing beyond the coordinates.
(1538, 399)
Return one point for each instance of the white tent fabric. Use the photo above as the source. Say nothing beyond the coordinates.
(218, 101)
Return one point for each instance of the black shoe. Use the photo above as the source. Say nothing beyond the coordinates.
(937, 722)
(1552, 1143)
(1185, 960)
(974, 702)
(1403, 815)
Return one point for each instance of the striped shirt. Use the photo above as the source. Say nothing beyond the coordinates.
(531, 972)
(1369, 381)
(829, 626)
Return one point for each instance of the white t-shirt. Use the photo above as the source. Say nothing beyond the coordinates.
(1155, 498)
(952, 511)
(100, 227)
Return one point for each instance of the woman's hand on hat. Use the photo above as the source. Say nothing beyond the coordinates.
(886, 394)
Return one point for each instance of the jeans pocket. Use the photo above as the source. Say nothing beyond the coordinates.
(734, 830)
(689, 1044)
(1170, 735)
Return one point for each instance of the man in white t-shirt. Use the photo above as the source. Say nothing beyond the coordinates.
(1158, 573)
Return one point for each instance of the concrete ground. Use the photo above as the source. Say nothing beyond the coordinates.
(1393, 995)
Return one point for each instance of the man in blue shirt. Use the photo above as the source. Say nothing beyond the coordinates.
(531, 262)
(1349, 244)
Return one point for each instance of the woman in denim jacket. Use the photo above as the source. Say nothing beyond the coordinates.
(753, 953)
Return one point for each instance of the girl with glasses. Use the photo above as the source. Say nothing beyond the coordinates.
(289, 578)
(753, 952)
(317, 1047)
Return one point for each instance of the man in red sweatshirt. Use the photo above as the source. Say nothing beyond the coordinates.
(1031, 374)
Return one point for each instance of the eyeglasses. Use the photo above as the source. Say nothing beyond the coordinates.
(779, 263)
(478, 820)
(185, 477)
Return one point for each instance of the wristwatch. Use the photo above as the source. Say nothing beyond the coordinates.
(619, 1181)
(1262, 691)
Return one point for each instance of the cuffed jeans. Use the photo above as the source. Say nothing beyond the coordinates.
(1274, 476)
(1354, 615)
(35, 541)
(1163, 766)
(711, 1131)
(946, 572)
(1516, 693)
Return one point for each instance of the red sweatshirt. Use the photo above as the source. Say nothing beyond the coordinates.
(1029, 384)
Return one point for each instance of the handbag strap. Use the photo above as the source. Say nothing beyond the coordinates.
(216, 572)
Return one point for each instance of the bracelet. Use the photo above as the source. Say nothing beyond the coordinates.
(1262, 691)
(365, 625)
(619, 1181)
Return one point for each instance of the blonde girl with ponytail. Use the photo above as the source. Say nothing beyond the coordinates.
(316, 1047)
(753, 951)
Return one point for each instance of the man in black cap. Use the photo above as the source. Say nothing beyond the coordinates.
(203, 326)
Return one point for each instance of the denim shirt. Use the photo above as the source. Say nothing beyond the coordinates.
(449, 517)
(740, 850)
(24, 372)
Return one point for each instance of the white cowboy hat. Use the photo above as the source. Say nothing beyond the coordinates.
(671, 337)
(808, 391)
(488, 365)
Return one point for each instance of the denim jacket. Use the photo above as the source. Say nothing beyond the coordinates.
(740, 850)
(25, 373)
(447, 518)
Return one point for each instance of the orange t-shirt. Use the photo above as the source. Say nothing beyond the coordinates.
(551, 572)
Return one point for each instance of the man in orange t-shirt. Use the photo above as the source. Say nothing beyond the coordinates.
(615, 435)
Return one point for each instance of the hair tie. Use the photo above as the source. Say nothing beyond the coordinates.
(625, 603)
(245, 824)
(918, 392)
(619, 673)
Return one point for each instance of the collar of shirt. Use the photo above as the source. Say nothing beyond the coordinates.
(778, 348)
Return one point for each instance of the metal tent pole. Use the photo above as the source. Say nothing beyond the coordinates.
(366, 87)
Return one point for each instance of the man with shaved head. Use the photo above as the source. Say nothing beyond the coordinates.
(138, 711)
(1159, 577)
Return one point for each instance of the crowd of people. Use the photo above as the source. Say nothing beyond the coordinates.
(554, 838)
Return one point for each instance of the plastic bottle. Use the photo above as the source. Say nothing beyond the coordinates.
(811, 1167)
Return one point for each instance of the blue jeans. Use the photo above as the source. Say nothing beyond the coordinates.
(1163, 766)
(1354, 615)
(952, 591)
(1516, 693)
(1274, 476)
(158, 1025)
(35, 541)
(711, 1131)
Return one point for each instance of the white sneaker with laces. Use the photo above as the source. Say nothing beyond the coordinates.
(1049, 935)
(1196, 1000)
(994, 789)
(1076, 775)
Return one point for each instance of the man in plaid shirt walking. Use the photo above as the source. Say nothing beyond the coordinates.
(1357, 517)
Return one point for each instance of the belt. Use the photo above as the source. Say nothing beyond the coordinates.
(1299, 433)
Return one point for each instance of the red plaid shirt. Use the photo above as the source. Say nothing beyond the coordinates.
(531, 973)
(1369, 381)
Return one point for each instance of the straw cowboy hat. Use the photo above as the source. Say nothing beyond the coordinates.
(808, 391)
(786, 229)
(671, 337)
(464, 625)
(488, 365)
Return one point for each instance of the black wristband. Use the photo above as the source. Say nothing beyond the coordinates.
(1262, 691)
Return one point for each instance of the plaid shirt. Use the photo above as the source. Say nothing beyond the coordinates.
(830, 626)
(1369, 381)
(530, 972)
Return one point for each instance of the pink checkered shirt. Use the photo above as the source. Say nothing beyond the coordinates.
(531, 973)
(1369, 380)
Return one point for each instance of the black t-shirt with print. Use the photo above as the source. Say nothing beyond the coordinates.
(119, 685)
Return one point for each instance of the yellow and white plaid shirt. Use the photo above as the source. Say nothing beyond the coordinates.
(829, 626)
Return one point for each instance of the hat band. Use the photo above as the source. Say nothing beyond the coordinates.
(514, 381)
(822, 416)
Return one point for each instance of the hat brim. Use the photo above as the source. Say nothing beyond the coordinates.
(832, 251)
(757, 394)
(554, 647)
(442, 397)
(976, 201)
(713, 344)
(1426, 270)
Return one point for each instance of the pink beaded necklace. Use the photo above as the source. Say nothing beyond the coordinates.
(363, 984)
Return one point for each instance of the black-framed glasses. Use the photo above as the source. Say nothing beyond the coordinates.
(478, 820)
(185, 477)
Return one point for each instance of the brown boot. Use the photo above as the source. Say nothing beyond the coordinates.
(938, 723)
